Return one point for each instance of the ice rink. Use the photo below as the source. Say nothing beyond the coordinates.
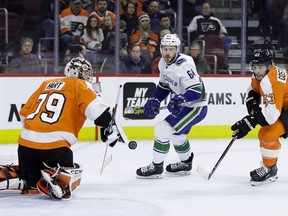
(117, 192)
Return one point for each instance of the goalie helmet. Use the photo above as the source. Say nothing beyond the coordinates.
(262, 57)
(79, 68)
(171, 40)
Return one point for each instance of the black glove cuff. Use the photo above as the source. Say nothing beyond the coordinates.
(250, 122)
(104, 119)
(260, 119)
(103, 134)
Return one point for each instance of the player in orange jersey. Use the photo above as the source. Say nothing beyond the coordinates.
(270, 83)
(52, 118)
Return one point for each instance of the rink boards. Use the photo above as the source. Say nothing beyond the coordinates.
(225, 95)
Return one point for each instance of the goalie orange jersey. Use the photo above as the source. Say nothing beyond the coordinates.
(56, 111)
(274, 90)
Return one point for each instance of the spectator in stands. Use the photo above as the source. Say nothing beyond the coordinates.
(47, 23)
(73, 51)
(72, 23)
(102, 12)
(145, 37)
(140, 6)
(207, 24)
(154, 65)
(162, 5)
(130, 16)
(108, 43)
(110, 5)
(123, 38)
(277, 16)
(92, 39)
(283, 41)
(87, 5)
(154, 14)
(165, 22)
(202, 66)
(191, 8)
(25, 62)
(135, 63)
(63, 4)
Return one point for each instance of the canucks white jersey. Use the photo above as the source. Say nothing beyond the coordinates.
(180, 76)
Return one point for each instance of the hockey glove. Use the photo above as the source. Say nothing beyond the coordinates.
(253, 103)
(174, 105)
(151, 108)
(109, 135)
(243, 126)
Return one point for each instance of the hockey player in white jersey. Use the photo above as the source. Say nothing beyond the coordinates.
(178, 77)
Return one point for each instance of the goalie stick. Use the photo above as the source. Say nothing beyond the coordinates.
(202, 172)
(107, 159)
(120, 133)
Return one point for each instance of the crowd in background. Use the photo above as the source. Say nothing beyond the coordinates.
(87, 28)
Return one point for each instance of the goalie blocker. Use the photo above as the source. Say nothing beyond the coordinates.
(56, 183)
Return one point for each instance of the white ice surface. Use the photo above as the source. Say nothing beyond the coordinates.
(117, 192)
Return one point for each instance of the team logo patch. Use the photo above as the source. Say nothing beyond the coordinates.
(282, 76)
(207, 27)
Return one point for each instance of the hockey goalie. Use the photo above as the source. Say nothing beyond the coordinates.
(52, 118)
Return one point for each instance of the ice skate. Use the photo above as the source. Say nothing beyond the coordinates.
(263, 175)
(151, 171)
(180, 168)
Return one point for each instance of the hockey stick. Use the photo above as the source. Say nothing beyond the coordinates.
(102, 66)
(107, 159)
(202, 172)
(139, 110)
(120, 133)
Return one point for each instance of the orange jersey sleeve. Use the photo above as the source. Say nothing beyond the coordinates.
(274, 90)
(56, 111)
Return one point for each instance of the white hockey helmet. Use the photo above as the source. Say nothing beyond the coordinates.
(79, 68)
(171, 40)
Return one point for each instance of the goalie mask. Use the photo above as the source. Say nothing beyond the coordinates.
(167, 43)
(79, 68)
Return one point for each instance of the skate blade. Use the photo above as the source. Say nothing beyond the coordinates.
(269, 180)
(157, 176)
(180, 173)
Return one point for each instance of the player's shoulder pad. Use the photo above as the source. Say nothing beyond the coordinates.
(276, 75)
(281, 74)
(182, 58)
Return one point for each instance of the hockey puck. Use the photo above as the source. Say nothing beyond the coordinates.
(132, 145)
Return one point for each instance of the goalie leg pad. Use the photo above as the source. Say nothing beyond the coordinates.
(61, 182)
(9, 178)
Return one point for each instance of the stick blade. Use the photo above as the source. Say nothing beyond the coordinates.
(107, 158)
(203, 173)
